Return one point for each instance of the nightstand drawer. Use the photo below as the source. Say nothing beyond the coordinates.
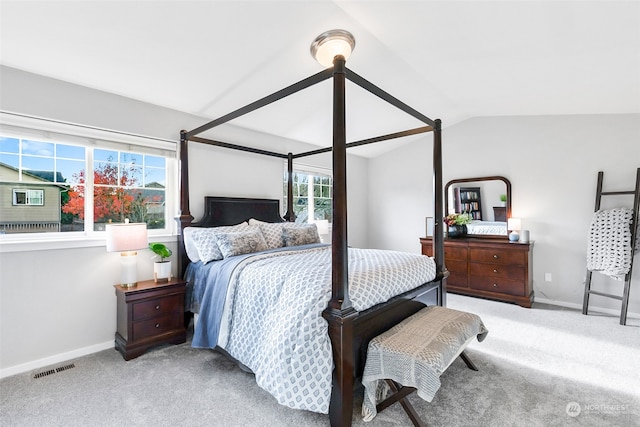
(497, 256)
(152, 327)
(157, 307)
(497, 284)
(492, 271)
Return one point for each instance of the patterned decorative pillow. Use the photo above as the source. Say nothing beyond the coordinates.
(300, 235)
(205, 240)
(239, 243)
(272, 232)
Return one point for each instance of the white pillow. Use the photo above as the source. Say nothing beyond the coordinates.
(244, 242)
(272, 232)
(205, 241)
(190, 246)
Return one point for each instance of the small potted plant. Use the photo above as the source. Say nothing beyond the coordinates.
(457, 224)
(162, 268)
(503, 200)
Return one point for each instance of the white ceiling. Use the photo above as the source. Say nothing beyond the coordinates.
(448, 59)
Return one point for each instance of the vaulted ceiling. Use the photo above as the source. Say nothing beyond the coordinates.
(448, 59)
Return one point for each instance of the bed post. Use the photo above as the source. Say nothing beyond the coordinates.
(185, 218)
(290, 215)
(340, 314)
(438, 211)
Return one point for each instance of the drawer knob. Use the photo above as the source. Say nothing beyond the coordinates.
(495, 285)
(495, 271)
(496, 257)
(157, 325)
(158, 307)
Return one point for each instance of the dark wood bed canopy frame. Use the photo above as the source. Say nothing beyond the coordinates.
(349, 330)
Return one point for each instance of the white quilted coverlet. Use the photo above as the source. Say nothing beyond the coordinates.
(609, 249)
(272, 321)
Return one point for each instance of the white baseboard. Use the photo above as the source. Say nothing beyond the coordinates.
(592, 308)
(51, 360)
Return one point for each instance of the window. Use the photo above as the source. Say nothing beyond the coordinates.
(28, 197)
(312, 195)
(65, 183)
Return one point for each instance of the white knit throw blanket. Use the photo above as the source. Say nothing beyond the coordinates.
(609, 250)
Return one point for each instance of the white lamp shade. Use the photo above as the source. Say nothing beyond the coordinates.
(323, 226)
(126, 237)
(514, 224)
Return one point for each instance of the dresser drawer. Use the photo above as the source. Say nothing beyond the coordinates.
(457, 273)
(512, 272)
(498, 284)
(488, 268)
(152, 327)
(498, 256)
(157, 307)
(452, 253)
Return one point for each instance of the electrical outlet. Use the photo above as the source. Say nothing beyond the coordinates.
(547, 277)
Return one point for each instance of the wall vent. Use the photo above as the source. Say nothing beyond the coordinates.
(53, 371)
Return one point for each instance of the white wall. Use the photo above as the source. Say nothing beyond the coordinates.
(56, 304)
(552, 163)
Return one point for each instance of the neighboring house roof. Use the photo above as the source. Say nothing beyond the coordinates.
(43, 176)
(46, 175)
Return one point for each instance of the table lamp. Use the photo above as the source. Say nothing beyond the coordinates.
(127, 239)
(323, 228)
(514, 224)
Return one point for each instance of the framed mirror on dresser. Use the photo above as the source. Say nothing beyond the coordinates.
(485, 263)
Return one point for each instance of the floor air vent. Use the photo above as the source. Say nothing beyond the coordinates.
(53, 371)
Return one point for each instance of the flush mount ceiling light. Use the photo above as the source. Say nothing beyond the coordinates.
(330, 44)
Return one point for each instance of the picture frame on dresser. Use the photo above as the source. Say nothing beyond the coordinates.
(430, 226)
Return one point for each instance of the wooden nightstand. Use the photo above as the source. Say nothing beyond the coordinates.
(149, 314)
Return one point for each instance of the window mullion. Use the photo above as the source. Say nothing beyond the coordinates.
(310, 198)
(88, 192)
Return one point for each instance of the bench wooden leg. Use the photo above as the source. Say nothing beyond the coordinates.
(399, 395)
(468, 361)
(401, 392)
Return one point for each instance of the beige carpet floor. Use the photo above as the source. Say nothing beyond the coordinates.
(544, 366)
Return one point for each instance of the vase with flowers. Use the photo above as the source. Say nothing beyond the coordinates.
(457, 224)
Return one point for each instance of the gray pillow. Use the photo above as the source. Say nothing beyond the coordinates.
(272, 232)
(302, 235)
(244, 242)
(204, 239)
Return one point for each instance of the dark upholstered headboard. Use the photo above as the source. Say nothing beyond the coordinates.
(220, 211)
(233, 210)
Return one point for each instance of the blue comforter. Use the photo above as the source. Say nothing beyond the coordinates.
(207, 290)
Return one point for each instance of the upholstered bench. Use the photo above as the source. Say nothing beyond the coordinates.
(412, 355)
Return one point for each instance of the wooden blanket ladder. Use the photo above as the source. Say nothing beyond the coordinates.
(634, 238)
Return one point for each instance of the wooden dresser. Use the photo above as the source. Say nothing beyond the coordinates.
(489, 268)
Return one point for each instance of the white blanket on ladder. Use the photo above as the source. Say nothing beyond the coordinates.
(609, 249)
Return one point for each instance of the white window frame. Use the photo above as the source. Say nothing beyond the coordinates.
(312, 171)
(29, 198)
(46, 130)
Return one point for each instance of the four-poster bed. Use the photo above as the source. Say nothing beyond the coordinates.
(349, 330)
